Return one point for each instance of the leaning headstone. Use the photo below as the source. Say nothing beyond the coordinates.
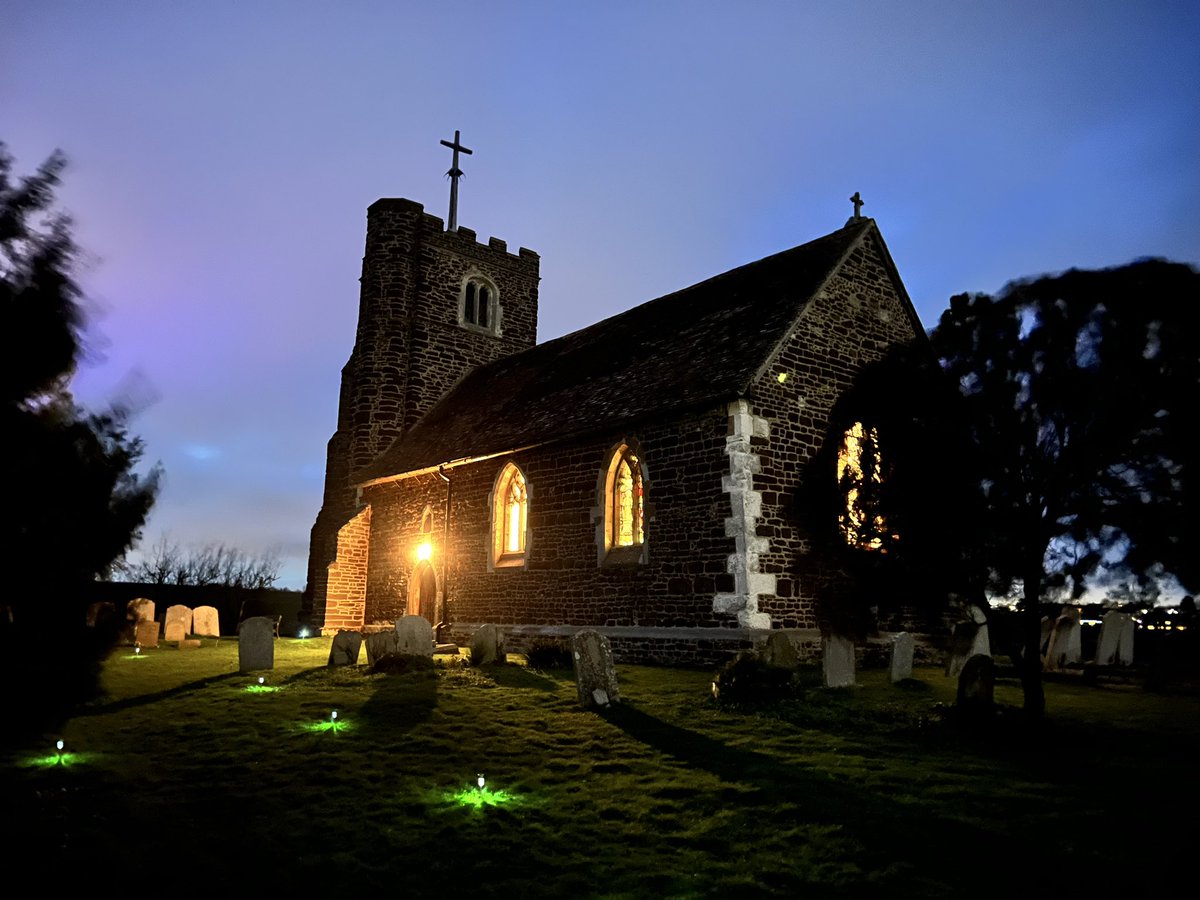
(98, 612)
(206, 622)
(961, 641)
(595, 672)
(1116, 639)
(344, 649)
(145, 633)
(1065, 643)
(379, 645)
(487, 646)
(901, 664)
(981, 644)
(416, 636)
(976, 686)
(837, 661)
(779, 652)
(256, 644)
(178, 624)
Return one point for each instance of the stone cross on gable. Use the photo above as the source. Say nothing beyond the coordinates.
(856, 200)
(455, 173)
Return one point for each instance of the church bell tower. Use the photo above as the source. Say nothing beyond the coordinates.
(433, 304)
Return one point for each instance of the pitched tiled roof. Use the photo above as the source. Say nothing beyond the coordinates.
(702, 344)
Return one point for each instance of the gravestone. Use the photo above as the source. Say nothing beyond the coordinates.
(1116, 639)
(779, 652)
(139, 609)
(206, 622)
(487, 646)
(837, 661)
(982, 643)
(178, 624)
(976, 686)
(145, 633)
(99, 612)
(595, 673)
(901, 663)
(1065, 642)
(256, 643)
(961, 641)
(344, 649)
(416, 636)
(380, 644)
(1047, 631)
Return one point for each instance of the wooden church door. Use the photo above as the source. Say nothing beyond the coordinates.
(422, 593)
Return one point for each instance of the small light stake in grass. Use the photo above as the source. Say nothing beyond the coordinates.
(262, 680)
(137, 651)
(333, 716)
(479, 779)
(59, 746)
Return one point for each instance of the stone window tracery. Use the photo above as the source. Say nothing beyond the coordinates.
(624, 505)
(479, 307)
(510, 518)
(860, 475)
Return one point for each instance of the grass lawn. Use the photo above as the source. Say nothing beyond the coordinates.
(187, 779)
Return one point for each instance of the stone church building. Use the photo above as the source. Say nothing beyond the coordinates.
(640, 476)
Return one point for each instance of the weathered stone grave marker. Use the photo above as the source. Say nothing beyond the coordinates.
(206, 621)
(344, 649)
(256, 643)
(487, 646)
(99, 612)
(416, 636)
(1116, 639)
(976, 686)
(779, 652)
(145, 633)
(381, 644)
(837, 661)
(1066, 646)
(900, 666)
(178, 624)
(595, 672)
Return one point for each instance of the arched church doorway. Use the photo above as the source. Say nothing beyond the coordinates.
(422, 592)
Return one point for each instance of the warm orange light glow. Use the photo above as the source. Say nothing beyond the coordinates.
(510, 518)
(625, 501)
(425, 550)
(852, 475)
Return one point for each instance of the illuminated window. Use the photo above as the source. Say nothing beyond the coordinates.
(859, 473)
(479, 304)
(510, 518)
(624, 506)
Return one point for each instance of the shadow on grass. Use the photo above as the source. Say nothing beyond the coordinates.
(103, 709)
(901, 836)
(520, 677)
(400, 702)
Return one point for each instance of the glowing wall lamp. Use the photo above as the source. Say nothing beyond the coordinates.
(424, 550)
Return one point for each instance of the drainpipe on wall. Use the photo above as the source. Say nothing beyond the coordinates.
(445, 616)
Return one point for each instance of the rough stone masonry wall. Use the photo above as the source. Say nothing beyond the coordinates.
(562, 582)
(852, 321)
(410, 348)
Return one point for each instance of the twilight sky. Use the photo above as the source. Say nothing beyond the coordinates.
(223, 155)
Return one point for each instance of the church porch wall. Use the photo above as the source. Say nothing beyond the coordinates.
(855, 319)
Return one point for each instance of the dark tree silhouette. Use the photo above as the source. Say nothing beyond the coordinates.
(74, 503)
(899, 523)
(1078, 390)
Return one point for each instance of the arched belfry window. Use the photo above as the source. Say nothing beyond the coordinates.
(510, 518)
(479, 305)
(624, 503)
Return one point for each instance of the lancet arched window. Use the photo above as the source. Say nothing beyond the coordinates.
(624, 506)
(860, 475)
(479, 307)
(510, 518)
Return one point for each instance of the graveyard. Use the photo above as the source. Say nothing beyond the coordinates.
(193, 775)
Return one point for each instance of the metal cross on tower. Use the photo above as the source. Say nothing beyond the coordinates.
(455, 173)
(856, 200)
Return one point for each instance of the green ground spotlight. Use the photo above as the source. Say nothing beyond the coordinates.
(480, 795)
(333, 723)
(59, 757)
(260, 687)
